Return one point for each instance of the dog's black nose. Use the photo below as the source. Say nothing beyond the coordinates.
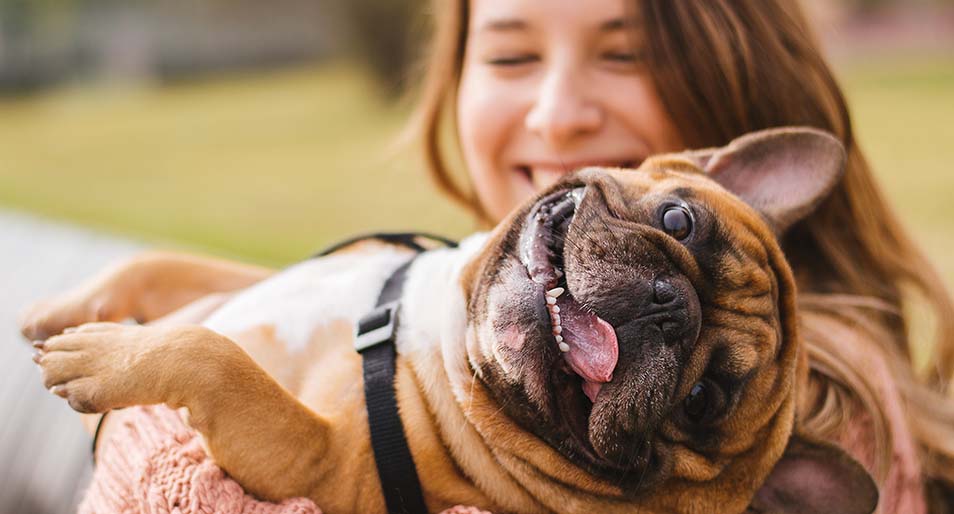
(663, 292)
(672, 309)
(663, 310)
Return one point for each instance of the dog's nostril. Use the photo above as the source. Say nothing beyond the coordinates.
(663, 291)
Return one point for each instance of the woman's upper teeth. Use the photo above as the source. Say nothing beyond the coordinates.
(568, 166)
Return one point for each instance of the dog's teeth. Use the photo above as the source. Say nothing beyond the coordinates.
(555, 319)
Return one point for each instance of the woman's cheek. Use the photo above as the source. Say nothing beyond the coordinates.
(489, 115)
(486, 112)
(641, 111)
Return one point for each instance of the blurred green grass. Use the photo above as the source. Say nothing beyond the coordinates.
(269, 168)
(903, 110)
(263, 168)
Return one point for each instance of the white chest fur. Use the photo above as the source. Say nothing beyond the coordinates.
(299, 300)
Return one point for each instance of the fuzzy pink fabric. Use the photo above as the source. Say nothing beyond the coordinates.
(152, 463)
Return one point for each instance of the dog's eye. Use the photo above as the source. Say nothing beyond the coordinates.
(703, 403)
(677, 222)
(697, 402)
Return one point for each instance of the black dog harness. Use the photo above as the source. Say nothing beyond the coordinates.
(375, 340)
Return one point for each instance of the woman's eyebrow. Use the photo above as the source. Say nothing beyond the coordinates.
(503, 25)
(615, 24)
(516, 24)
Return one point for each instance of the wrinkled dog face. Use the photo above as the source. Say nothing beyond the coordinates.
(642, 322)
(668, 311)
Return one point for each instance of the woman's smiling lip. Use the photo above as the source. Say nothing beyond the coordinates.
(544, 173)
(567, 166)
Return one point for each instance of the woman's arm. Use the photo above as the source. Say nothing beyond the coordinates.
(145, 287)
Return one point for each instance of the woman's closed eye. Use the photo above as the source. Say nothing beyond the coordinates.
(512, 60)
(623, 58)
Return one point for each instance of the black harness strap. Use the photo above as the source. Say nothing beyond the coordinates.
(376, 333)
(407, 239)
(375, 342)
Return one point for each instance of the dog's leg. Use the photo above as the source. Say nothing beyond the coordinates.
(191, 314)
(254, 428)
(145, 287)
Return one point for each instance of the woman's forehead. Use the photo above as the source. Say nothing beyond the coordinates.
(529, 15)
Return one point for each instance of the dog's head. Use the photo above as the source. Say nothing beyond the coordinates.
(642, 323)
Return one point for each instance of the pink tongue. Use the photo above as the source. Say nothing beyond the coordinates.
(593, 346)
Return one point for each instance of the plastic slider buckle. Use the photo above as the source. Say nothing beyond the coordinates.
(376, 327)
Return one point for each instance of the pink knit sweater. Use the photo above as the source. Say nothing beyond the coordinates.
(153, 463)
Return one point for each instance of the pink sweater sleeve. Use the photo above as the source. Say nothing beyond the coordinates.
(153, 463)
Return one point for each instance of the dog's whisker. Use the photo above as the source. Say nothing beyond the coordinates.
(470, 399)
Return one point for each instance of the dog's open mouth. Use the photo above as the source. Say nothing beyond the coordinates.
(588, 343)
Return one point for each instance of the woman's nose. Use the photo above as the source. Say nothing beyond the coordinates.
(562, 111)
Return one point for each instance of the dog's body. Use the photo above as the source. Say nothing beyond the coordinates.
(305, 340)
(498, 411)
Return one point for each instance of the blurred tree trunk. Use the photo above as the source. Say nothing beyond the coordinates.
(386, 34)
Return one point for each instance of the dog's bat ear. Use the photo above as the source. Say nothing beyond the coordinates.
(784, 173)
(815, 477)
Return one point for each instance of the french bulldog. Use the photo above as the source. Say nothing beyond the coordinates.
(624, 342)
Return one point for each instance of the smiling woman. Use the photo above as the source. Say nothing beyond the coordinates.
(533, 102)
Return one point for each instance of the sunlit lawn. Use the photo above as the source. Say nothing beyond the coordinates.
(269, 168)
(265, 168)
(904, 118)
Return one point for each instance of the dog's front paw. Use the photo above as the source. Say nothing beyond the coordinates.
(101, 366)
(102, 299)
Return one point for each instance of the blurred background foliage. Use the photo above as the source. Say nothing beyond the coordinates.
(264, 130)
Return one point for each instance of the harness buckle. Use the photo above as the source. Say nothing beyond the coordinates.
(376, 327)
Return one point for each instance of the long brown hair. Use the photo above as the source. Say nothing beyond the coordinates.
(726, 67)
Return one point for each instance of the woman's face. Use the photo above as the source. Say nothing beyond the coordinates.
(549, 86)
